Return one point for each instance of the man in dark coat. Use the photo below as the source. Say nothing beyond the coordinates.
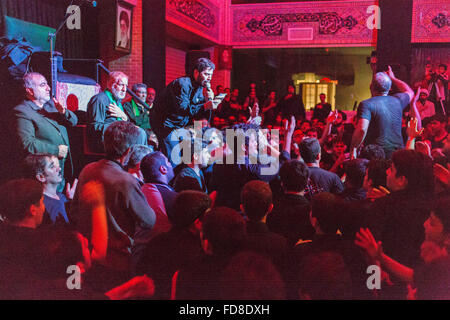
(40, 122)
(180, 102)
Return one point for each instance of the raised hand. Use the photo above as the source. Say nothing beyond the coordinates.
(93, 194)
(442, 174)
(366, 241)
(62, 151)
(411, 129)
(61, 109)
(390, 73)
(70, 191)
(332, 117)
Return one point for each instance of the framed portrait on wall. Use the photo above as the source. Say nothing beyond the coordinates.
(124, 23)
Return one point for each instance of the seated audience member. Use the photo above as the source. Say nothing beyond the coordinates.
(45, 168)
(223, 235)
(251, 276)
(431, 278)
(180, 246)
(355, 171)
(127, 207)
(135, 111)
(106, 108)
(320, 179)
(133, 165)
(397, 218)
(190, 176)
(325, 214)
(290, 214)
(228, 179)
(256, 203)
(157, 171)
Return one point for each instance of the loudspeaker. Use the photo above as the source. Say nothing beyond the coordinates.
(191, 58)
(394, 37)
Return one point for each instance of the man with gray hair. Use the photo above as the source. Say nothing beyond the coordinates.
(135, 111)
(106, 108)
(40, 122)
(380, 117)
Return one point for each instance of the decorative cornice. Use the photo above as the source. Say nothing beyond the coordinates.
(329, 22)
(196, 11)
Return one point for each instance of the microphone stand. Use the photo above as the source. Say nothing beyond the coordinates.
(52, 39)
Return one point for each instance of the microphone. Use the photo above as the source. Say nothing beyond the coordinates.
(208, 87)
(91, 2)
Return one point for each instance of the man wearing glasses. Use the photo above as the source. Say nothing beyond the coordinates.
(106, 108)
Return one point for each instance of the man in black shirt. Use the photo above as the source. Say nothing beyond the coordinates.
(322, 109)
(182, 100)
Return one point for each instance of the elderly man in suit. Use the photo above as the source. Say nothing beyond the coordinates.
(40, 122)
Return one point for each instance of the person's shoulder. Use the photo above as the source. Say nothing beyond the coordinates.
(100, 97)
(25, 107)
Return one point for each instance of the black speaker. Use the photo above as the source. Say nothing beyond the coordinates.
(191, 58)
(394, 37)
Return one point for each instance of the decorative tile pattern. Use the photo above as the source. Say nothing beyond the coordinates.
(431, 21)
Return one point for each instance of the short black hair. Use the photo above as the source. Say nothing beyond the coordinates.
(225, 229)
(294, 175)
(150, 165)
(417, 168)
(443, 65)
(34, 164)
(376, 171)
(138, 86)
(137, 153)
(325, 208)
(17, 196)
(439, 117)
(309, 149)
(118, 137)
(356, 170)
(372, 151)
(256, 198)
(188, 206)
(203, 63)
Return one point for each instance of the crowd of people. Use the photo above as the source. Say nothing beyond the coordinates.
(297, 209)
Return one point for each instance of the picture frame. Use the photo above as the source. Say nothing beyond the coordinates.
(123, 27)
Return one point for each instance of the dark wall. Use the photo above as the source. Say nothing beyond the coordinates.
(154, 43)
(394, 37)
(71, 43)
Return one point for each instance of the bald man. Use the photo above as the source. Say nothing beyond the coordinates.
(380, 117)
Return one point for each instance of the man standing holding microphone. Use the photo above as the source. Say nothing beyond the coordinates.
(181, 101)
